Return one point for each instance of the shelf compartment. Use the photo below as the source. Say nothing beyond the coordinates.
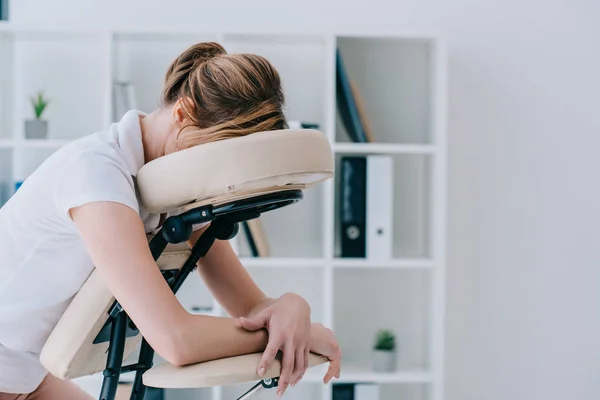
(71, 70)
(301, 62)
(394, 78)
(143, 60)
(295, 231)
(412, 206)
(398, 300)
(401, 388)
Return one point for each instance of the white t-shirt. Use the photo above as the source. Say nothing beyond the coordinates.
(43, 262)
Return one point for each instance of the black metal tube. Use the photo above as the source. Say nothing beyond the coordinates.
(114, 358)
(157, 245)
(198, 251)
(138, 390)
(146, 352)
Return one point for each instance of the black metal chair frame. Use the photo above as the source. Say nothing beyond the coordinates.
(224, 224)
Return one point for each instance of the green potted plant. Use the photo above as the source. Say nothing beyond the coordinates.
(384, 351)
(37, 128)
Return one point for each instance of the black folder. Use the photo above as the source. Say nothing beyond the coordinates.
(353, 192)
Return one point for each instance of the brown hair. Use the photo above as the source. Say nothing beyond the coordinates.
(224, 95)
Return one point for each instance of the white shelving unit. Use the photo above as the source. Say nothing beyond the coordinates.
(402, 80)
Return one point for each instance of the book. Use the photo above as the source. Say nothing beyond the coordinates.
(342, 391)
(379, 204)
(251, 243)
(353, 177)
(366, 391)
(3, 10)
(355, 391)
(257, 238)
(346, 103)
(294, 124)
(362, 111)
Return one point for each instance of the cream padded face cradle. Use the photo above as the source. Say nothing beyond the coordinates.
(239, 167)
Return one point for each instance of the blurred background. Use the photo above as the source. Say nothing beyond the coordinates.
(476, 126)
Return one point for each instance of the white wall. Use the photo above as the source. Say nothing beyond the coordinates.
(524, 253)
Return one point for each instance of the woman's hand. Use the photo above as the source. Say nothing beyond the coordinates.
(323, 342)
(287, 320)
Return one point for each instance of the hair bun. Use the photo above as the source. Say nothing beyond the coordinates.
(181, 68)
(203, 52)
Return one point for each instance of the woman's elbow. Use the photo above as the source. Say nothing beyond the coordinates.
(172, 346)
(177, 357)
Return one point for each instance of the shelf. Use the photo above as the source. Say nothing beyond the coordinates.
(384, 377)
(383, 148)
(282, 262)
(34, 143)
(403, 263)
(43, 143)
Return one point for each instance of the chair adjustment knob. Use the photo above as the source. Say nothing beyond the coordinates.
(225, 230)
(176, 230)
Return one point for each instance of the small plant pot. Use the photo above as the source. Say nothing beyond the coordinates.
(384, 360)
(36, 129)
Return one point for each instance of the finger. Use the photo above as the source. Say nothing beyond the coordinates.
(333, 370)
(299, 367)
(330, 372)
(306, 354)
(287, 368)
(268, 356)
(255, 322)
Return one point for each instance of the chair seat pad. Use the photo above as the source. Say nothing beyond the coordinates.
(235, 168)
(224, 371)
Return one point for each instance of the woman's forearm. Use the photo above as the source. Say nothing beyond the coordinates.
(201, 338)
(228, 280)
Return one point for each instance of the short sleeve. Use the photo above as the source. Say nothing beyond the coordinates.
(93, 177)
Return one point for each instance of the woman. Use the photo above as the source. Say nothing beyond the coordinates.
(79, 210)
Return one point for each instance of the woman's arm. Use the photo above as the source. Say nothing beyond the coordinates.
(286, 318)
(227, 279)
(115, 239)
